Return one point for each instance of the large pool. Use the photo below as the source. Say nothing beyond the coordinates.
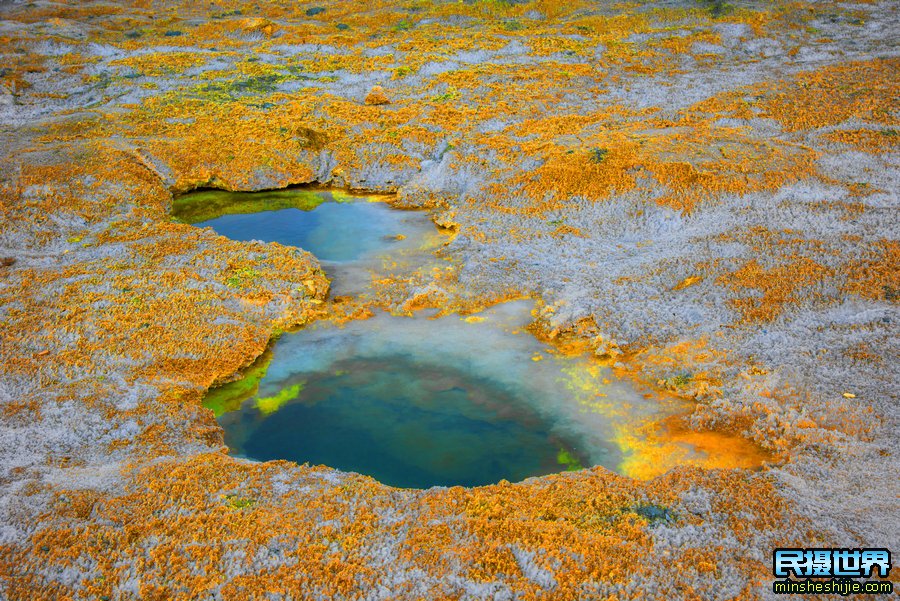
(419, 401)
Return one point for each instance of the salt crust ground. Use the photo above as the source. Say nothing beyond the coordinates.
(704, 193)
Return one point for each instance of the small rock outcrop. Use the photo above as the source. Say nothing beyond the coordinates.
(376, 96)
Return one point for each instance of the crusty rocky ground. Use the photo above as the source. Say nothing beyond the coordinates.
(703, 193)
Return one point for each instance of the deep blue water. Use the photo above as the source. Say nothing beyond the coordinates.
(404, 424)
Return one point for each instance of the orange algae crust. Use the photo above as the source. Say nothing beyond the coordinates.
(195, 516)
(115, 320)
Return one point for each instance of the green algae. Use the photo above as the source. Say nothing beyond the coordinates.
(271, 404)
(571, 462)
(339, 195)
(231, 395)
(242, 276)
(203, 205)
(236, 502)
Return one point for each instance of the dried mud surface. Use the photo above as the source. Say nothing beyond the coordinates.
(703, 193)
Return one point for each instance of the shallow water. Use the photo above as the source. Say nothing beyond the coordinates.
(420, 401)
(336, 232)
(351, 235)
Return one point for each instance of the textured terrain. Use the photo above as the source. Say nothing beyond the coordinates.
(704, 194)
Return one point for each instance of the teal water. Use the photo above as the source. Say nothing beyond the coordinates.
(414, 401)
(354, 237)
(404, 423)
(336, 232)
(418, 402)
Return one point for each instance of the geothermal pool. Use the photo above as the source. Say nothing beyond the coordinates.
(412, 401)
(420, 402)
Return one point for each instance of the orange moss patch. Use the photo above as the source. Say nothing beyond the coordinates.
(161, 63)
(376, 96)
(192, 518)
(875, 141)
(258, 25)
(778, 286)
(688, 282)
(656, 448)
(567, 173)
(830, 95)
(568, 230)
(878, 275)
(862, 352)
(743, 165)
(696, 162)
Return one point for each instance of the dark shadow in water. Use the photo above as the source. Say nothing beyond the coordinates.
(405, 424)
